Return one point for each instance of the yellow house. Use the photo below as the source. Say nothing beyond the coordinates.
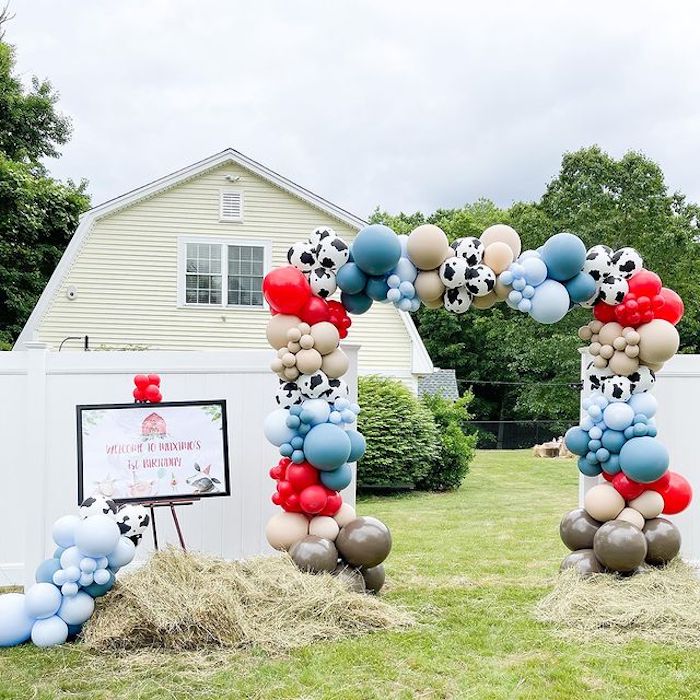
(126, 280)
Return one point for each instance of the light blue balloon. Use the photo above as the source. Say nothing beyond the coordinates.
(316, 410)
(403, 240)
(405, 304)
(123, 554)
(297, 442)
(293, 422)
(101, 576)
(327, 446)
(576, 440)
(406, 270)
(335, 417)
(338, 479)
(591, 458)
(393, 295)
(46, 570)
(629, 432)
(581, 287)
(519, 284)
(534, 270)
(564, 255)
(618, 415)
(376, 249)
(652, 430)
(506, 277)
(407, 290)
(71, 557)
(358, 445)
(355, 303)
(15, 623)
(415, 304)
(351, 279)
(49, 632)
(286, 449)
(95, 590)
(95, 536)
(58, 551)
(613, 440)
(298, 456)
(393, 281)
(611, 465)
(528, 254)
(514, 296)
(595, 433)
(524, 305)
(640, 429)
(70, 588)
(63, 530)
(587, 468)
(42, 600)
(377, 288)
(85, 579)
(528, 291)
(644, 403)
(602, 455)
(77, 609)
(644, 459)
(550, 303)
(275, 428)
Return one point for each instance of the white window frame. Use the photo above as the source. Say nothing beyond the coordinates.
(228, 219)
(182, 242)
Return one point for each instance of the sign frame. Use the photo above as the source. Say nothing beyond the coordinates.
(156, 499)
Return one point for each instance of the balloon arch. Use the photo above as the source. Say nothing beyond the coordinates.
(632, 334)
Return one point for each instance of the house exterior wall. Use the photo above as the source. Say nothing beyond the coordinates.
(126, 275)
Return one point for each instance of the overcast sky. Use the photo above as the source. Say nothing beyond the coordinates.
(409, 105)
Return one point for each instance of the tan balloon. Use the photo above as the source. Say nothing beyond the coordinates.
(649, 504)
(335, 364)
(291, 373)
(487, 301)
(603, 502)
(429, 286)
(277, 328)
(306, 341)
(309, 361)
(501, 233)
(427, 246)
(633, 516)
(324, 526)
(326, 337)
(658, 341)
(607, 351)
(345, 514)
(293, 335)
(608, 333)
(501, 290)
(621, 363)
(284, 529)
(434, 303)
(498, 256)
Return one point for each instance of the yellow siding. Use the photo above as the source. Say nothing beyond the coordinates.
(126, 275)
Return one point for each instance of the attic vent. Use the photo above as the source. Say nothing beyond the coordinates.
(231, 205)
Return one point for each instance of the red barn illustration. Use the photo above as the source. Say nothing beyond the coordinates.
(153, 424)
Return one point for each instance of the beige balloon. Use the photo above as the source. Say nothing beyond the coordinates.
(487, 301)
(291, 373)
(633, 516)
(608, 333)
(658, 341)
(277, 328)
(284, 529)
(309, 361)
(434, 303)
(429, 286)
(501, 290)
(427, 246)
(501, 233)
(603, 502)
(621, 363)
(498, 256)
(345, 514)
(335, 364)
(649, 504)
(306, 341)
(324, 526)
(326, 337)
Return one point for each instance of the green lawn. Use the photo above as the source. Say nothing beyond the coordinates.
(471, 564)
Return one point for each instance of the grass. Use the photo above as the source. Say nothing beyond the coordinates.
(471, 564)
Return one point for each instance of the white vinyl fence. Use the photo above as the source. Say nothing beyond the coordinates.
(40, 390)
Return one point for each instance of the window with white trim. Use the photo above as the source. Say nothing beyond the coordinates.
(231, 205)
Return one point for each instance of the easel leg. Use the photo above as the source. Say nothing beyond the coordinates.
(177, 527)
(153, 525)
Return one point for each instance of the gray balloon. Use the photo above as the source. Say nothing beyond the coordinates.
(577, 530)
(663, 541)
(619, 546)
(352, 578)
(314, 554)
(364, 542)
(374, 578)
(584, 561)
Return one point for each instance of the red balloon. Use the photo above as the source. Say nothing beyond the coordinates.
(661, 483)
(313, 499)
(627, 488)
(314, 310)
(286, 289)
(604, 312)
(285, 489)
(138, 394)
(276, 499)
(141, 381)
(154, 379)
(673, 307)
(645, 283)
(335, 500)
(276, 472)
(677, 494)
(291, 504)
(300, 476)
(152, 394)
(606, 476)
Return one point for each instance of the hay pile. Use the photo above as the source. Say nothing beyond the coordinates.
(182, 602)
(657, 605)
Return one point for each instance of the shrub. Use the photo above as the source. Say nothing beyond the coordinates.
(455, 449)
(402, 438)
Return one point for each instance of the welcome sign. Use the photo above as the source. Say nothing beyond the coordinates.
(153, 452)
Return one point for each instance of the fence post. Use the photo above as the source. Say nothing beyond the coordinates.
(35, 467)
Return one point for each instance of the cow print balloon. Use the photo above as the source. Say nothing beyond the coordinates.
(598, 263)
(322, 281)
(339, 389)
(613, 290)
(132, 520)
(626, 262)
(457, 300)
(617, 388)
(469, 248)
(453, 272)
(480, 280)
(313, 386)
(302, 256)
(97, 505)
(320, 234)
(594, 377)
(332, 252)
(288, 394)
(642, 380)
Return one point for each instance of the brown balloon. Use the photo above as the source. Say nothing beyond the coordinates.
(619, 546)
(364, 542)
(374, 578)
(577, 529)
(351, 578)
(314, 554)
(584, 561)
(663, 541)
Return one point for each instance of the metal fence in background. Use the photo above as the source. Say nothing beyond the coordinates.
(516, 435)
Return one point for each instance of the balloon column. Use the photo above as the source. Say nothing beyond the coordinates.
(90, 548)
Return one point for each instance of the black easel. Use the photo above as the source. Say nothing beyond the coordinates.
(151, 505)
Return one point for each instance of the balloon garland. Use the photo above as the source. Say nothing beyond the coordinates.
(632, 334)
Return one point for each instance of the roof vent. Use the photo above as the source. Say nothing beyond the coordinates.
(231, 205)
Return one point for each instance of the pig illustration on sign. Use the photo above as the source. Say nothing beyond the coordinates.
(202, 482)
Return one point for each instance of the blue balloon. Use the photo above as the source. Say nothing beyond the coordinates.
(315, 411)
(96, 536)
(74, 631)
(576, 440)
(535, 271)
(49, 632)
(403, 240)
(327, 447)
(351, 279)
(580, 287)
(358, 445)
(275, 427)
(405, 269)
(46, 570)
(613, 440)
(63, 530)
(355, 303)
(618, 415)
(644, 459)
(338, 479)
(594, 445)
(376, 249)
(96, 590)
(611, 465)
(588, 468)
(644, 403)
(77, 609)
(15, 623)
(376, 288)
(42, 600)
(550, 302)
(564, 255)
(123, 553)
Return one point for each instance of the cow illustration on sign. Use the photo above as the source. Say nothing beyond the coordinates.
(202, 482)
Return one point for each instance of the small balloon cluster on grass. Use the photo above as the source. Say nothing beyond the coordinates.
(91, 547)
